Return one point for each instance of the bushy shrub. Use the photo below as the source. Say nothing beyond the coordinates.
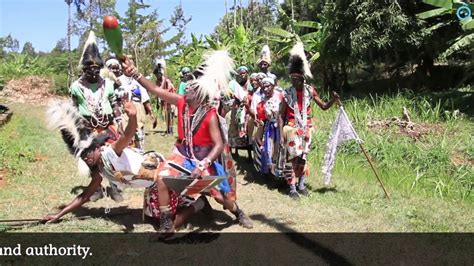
(60, 84)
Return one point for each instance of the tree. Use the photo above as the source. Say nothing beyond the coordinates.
(8, 44)
(28, 49)
(143, 35)
(89, 16)
(179, 21)
(254, 18)
(241, 30)
(385, 32)
(189, 56)
(70, 68)
(361, 33)
(457, 35)
(60, 47)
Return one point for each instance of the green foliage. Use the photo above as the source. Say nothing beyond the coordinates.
(190, 56)
(143, 36)
(60, 83)
(20, 65)
(382, 29)
(433, 13)
(242, 47)
(8, 44)
(438, 164)
(253, 17)
(179, 21)
(241, 31)
(90, 18)
(460, 42)
(28, 49)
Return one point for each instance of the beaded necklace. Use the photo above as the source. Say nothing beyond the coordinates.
(94, 103)
(191, 122)
(301, 116)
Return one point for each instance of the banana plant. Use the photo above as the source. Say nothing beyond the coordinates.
(242, 47)
(460, 10)
(463, 12)
(287, 38)
(190, 56)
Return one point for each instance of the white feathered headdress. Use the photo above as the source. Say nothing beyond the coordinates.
(64, 116)
(214, 75)
(298, 62)
(160, 66)
(265, 55)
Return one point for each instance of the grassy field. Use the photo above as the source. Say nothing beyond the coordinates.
(429, 178)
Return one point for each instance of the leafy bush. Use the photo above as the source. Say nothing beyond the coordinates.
(20, 65)
(60, 84)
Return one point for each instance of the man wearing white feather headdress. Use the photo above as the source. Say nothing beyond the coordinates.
(296, 120)
(120, 164)
(264, 63)
(165, 83)
(201, 132)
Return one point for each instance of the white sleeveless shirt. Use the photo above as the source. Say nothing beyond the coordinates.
(129, 161)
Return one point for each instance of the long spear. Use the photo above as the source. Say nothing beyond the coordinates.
(20, 222)
(338, 101)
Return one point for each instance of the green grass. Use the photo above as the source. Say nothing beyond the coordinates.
(424, 166)
(38, 165)
(429, 193)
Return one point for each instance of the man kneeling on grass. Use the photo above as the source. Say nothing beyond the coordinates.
(118, 163)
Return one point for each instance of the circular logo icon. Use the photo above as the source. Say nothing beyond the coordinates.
(463, 12)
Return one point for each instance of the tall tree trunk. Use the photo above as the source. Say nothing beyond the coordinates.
(344, 78)
(91, 10)
(227, 20)
(235, 13)
(69, 56)
(292, 11)
(241, 12)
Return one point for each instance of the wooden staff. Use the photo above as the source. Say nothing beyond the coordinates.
(339, 103)
(21, 222)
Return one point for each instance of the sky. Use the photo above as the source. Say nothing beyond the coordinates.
(44, 22)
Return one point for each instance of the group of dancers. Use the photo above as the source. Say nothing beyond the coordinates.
(103, 127)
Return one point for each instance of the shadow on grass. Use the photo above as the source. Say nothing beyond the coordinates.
(129, 218)
(192, 238)
(304, 242)
(324, 190)
(154, 132)
(253, 176)
(78, 189)
(119, 215)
